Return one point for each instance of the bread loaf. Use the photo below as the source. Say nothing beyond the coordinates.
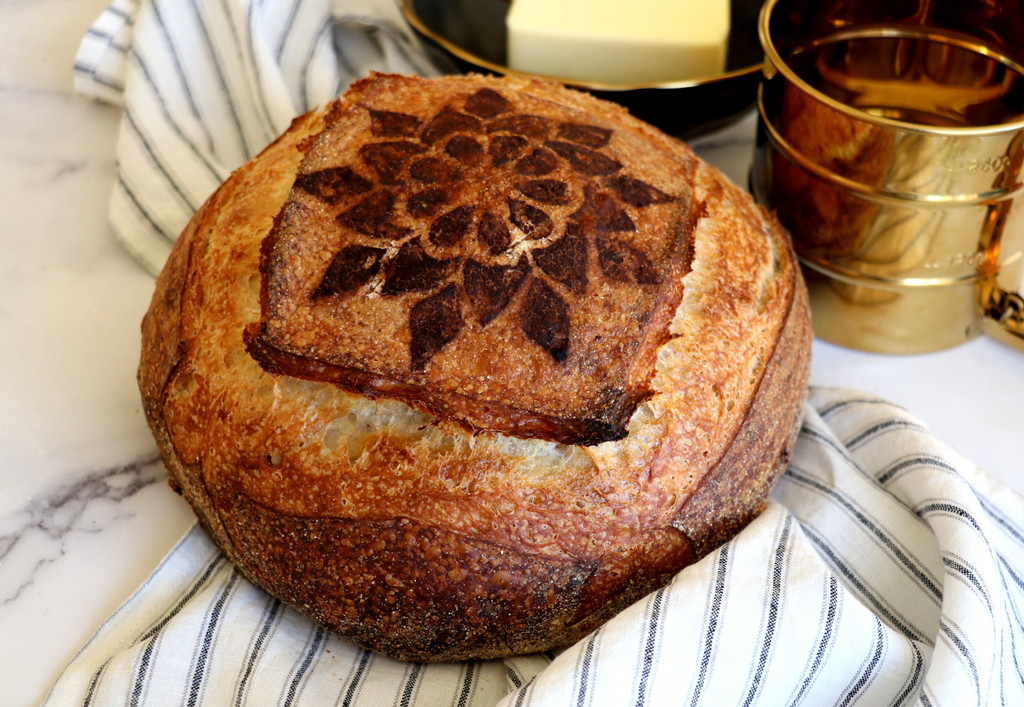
(462, 367)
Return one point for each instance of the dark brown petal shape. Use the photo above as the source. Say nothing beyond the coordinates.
(412, 270)
(388, 158)
(333, 184)
(539, 161)
(449, 229)
(529, 219)
(447, 122)
(351, 268)
(505, 148)
(432, 170)
(465, 149)
(492, 233)
(565, 260)
(602, 212)
(584, 134)
(491, 287)
(393, 232)
(433, 322)
(427, 202)
(371, 215)
(544, 318)
(533, 126)
(624, 262)
(584, 160)
(635, 192)
(387, 123)
(487, 103)
(546, 191)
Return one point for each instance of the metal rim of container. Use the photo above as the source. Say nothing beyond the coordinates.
(869, 193)
(453, 48)
(774, 62)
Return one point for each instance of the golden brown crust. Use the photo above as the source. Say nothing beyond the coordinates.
(493, 257)
(420, 539)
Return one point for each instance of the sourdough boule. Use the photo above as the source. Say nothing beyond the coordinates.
(461, 367)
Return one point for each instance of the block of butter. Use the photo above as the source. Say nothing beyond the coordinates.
(619, 42)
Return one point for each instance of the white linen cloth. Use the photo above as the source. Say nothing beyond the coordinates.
(207, 84)
(886, 570)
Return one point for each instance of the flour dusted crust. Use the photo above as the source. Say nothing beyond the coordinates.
(380, 420)
(435, 231)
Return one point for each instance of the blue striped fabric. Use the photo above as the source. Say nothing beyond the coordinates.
(887, 570)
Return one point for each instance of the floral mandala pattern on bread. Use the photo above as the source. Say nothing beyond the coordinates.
(486, 221)
(513, 246)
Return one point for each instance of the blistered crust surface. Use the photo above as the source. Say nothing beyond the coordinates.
(313, 490)
(489, 255)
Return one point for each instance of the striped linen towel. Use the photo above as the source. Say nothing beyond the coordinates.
(887, 570)
(207, 84)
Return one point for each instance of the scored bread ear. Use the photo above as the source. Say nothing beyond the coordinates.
(453, 408)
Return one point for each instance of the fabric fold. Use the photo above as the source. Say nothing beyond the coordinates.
(207, 84)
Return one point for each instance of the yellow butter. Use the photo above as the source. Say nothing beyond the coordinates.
(621, 42)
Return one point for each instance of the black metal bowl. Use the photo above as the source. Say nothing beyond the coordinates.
(471, 34)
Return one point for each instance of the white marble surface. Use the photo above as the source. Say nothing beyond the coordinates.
(85, 512)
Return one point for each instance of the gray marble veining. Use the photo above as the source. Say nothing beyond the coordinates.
(37, 535)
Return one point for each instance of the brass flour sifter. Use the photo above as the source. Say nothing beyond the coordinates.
(891, 144)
